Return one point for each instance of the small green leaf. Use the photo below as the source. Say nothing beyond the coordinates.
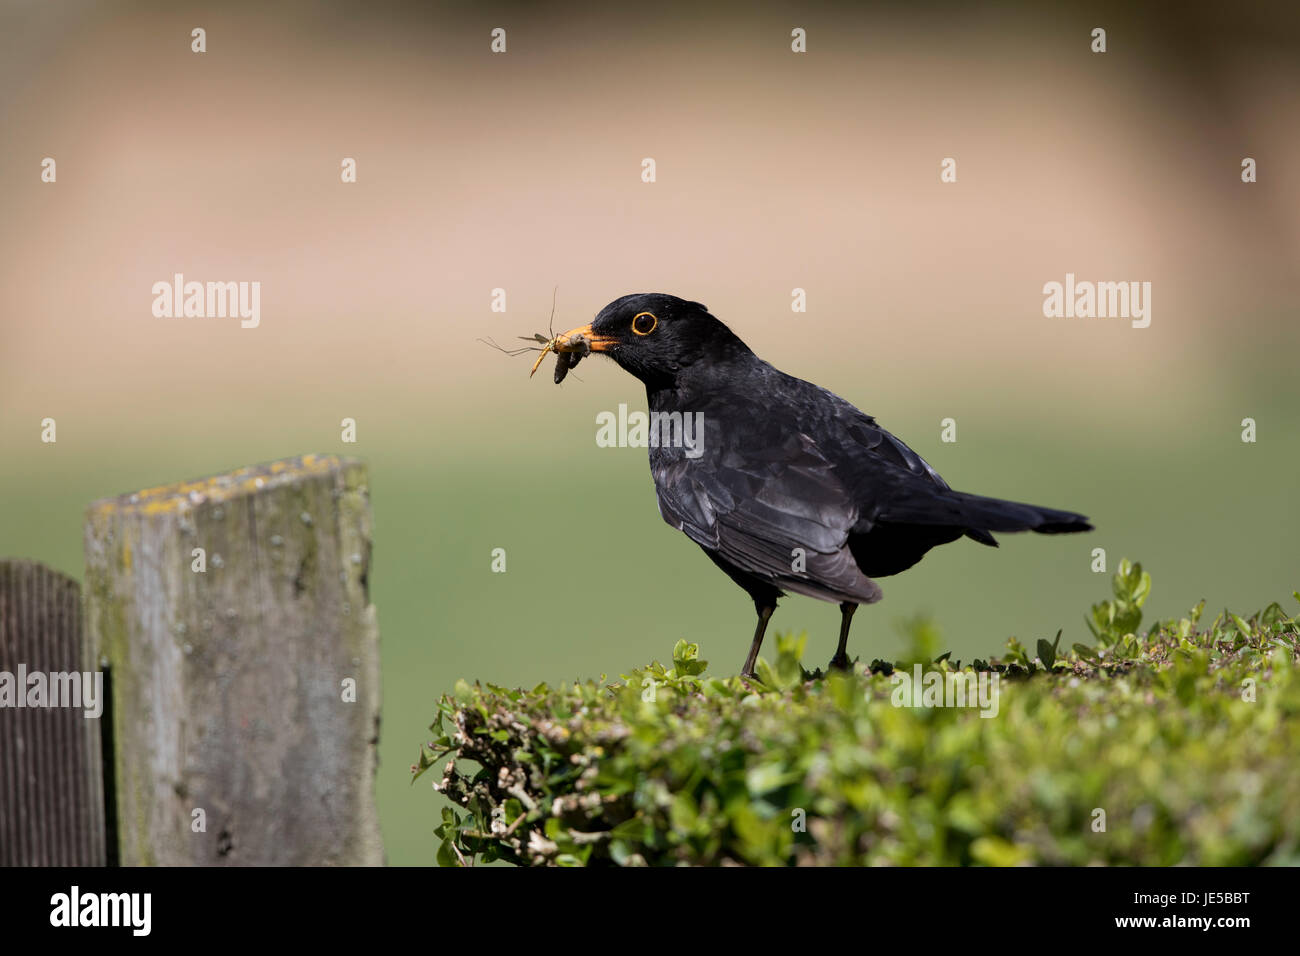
(446, 856)
(1046, 653)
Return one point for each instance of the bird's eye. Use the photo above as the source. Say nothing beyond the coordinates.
(643, 323)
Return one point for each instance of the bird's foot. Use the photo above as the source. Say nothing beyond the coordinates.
(840, 662)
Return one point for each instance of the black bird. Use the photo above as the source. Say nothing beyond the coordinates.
(790, 488)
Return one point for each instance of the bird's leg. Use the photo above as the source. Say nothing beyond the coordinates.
(841, 659)
(763, 614)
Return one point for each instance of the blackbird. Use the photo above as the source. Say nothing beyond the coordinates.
(786, 487)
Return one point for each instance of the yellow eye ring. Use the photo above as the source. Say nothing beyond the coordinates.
(654, 323)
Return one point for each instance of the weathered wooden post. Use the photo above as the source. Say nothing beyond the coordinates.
(235, 614)
(51, 774)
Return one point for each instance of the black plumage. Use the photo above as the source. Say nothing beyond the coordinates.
(791, 487)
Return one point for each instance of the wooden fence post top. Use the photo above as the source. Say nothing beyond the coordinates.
(235, 614)
(181, 495)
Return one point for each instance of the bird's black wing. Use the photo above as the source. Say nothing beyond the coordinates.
(754, 502)
(892, 484)
(883, 471)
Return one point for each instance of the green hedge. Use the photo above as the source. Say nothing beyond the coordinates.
(1178, 746)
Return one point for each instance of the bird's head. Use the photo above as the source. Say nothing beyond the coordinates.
(655, 337)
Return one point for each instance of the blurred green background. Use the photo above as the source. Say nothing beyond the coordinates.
(776, 171)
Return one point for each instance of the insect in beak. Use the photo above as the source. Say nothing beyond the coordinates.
(571, 349)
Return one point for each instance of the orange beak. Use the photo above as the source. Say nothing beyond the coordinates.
(575, 340)
(581, 339)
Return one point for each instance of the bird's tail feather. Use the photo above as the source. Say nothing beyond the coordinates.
(979, 514)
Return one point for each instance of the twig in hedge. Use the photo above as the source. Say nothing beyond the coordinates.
(521, 795)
